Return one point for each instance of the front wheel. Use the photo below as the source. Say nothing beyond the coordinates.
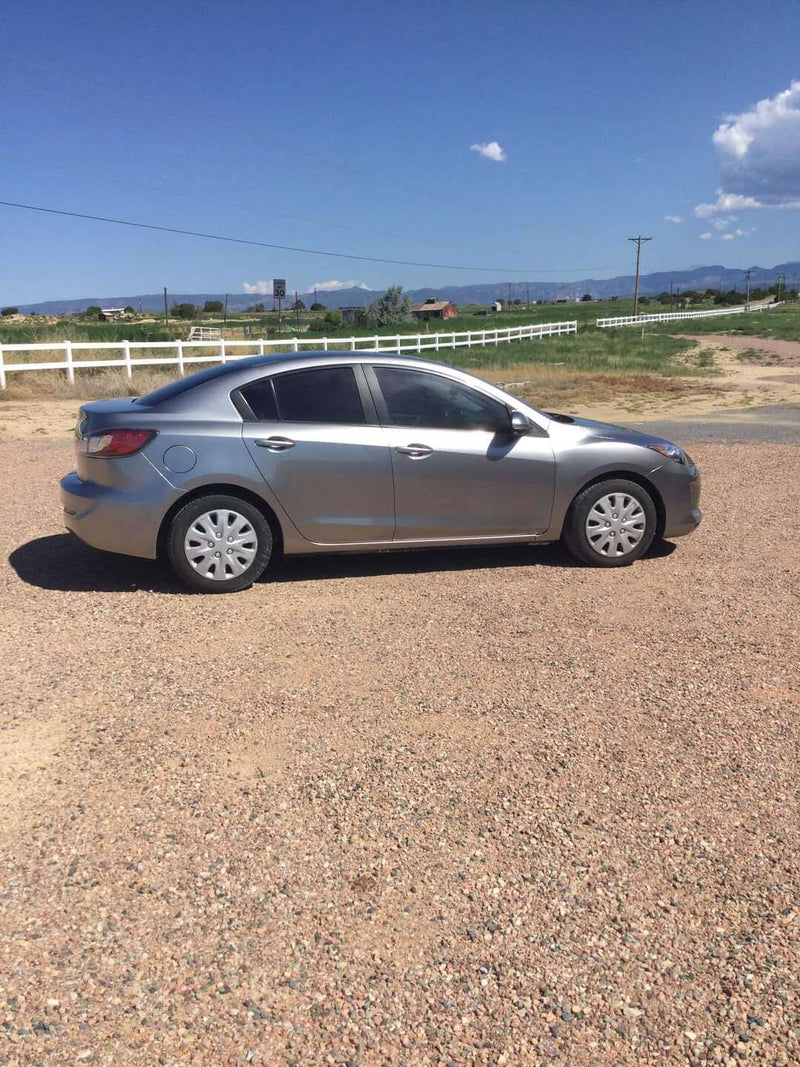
(610, 524)
(219, 544)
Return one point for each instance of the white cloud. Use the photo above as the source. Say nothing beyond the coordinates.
(334, 284)
(490, 150)
(726, 202)
(729, 237)
(723, 223)
(673, 218)
(262, 288)
(760, 153)
(706, 236)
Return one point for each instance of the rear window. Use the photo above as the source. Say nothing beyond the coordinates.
(183, 385)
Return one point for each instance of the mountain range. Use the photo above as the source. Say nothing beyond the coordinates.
(712, 277)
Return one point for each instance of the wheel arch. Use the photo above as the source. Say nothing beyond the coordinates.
(214, 489)
(629, 476)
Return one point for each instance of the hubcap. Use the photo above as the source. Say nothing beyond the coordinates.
(220, 545)
(616, 524)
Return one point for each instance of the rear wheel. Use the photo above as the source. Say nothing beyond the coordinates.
(611, 523)
(219, 544)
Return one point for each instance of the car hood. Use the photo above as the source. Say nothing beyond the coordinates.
(605, 431)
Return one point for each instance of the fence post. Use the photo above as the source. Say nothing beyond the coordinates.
(222, 351)
(419, 342)
(324, 344)
(2, 370)
(261, 348)
(294, 344)
(377, 341)
(436, 342)
(70, 368)
(126, 347)
(352, 344)
(179, 351)
(397, 343)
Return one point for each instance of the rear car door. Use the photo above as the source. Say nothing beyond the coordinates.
(314, 436)
(459, 472)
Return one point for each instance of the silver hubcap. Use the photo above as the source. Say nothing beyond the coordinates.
(616, 524)
(220, 545)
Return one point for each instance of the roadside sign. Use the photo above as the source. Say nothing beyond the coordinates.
(278, 288)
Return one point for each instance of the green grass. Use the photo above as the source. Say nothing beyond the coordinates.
(780, 323)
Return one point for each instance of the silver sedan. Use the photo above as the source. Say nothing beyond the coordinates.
(360, 451)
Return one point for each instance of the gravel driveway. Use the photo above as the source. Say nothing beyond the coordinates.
(477, 807)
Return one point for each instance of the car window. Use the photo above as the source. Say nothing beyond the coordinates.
(261, 400)
(323, 394)
(417, 398)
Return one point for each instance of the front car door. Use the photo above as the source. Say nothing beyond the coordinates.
(313, 434)
(459, 472)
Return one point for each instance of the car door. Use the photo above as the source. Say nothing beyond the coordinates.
(313, 434)
(459, 472)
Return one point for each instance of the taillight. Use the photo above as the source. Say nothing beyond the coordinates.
(116, 442)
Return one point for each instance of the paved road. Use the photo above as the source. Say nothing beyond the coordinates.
(767, 425)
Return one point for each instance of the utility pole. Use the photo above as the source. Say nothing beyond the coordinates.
(225, 316)
(639, 242)
(166, 315)
(781, 281)
(747, 298)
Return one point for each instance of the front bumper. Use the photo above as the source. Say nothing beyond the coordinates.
(114, 520)
(680, 491)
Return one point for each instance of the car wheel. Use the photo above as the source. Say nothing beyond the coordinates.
(610, 524)
(219, 544)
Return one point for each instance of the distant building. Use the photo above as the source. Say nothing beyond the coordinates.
(111, 313)
(497, 305)
(351, 314)
(435, 309)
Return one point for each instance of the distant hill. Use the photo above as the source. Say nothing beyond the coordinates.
(712, 277)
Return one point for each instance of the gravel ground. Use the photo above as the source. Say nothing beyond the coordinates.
(477, 807)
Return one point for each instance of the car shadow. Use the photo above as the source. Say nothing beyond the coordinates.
(62, 563)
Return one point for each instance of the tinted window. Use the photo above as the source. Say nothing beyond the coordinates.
(261, 399)
(182, 385)
(325, 394)
(416, 398)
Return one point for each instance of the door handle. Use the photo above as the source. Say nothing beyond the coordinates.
(415, 451)
(275, 444)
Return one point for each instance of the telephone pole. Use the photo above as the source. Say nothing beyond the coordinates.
(639, 242)
(747, 274)
(166, 314)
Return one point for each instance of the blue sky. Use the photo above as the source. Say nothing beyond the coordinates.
(350, 127)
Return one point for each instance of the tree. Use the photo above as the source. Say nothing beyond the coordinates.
(259, 307)
(10, 311)
(332, 319)
(129, 310)
(93, 311)
(298, 305)
(318, 307)
(390, 309)
(213, 307)
(185, 311)
(586, 296)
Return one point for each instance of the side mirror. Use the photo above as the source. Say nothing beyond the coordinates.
(519, 424)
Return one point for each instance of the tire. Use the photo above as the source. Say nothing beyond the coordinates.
(609, 542)
(244, 537)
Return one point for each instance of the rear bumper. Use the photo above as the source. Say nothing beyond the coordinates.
(113, 520)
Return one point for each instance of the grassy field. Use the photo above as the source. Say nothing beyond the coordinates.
(780, 323)
(590, 363)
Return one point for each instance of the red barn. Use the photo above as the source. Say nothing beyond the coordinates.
(436, 309)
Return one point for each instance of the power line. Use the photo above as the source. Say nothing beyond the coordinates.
(292, 248)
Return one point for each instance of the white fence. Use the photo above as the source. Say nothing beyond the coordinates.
(181, 354)
(674, 316)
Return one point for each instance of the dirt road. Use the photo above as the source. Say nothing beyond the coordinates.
(477, 807)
